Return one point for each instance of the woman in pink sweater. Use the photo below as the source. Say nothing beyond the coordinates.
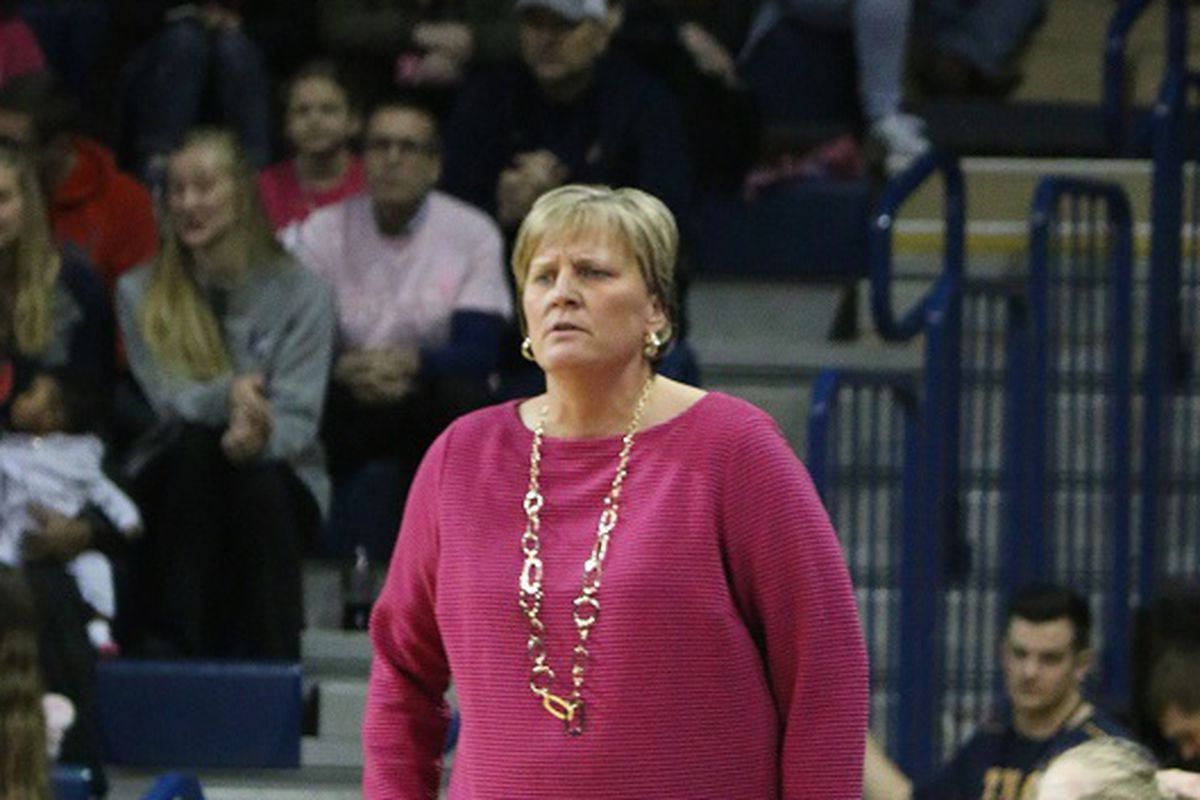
(631, 582)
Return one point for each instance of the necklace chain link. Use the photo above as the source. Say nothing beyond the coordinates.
(586, 607)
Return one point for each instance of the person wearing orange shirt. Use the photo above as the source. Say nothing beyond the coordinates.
(92, 204)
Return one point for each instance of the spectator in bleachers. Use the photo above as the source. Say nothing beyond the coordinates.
(569, 112)
(52, 307)
(682, 44)
(422, 299)
(1045, 657)
(972, 46)
(880, 32)
(728, 660)
(320, 120)
(24, 766)
(53, 314)
(1108, 768)
(19, 50)
(428, 44)
(230, 340)
(200, 45)
(92, 205)
(51, 460)
(1173, 700)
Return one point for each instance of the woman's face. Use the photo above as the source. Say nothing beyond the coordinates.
(201, 196)
(319, 120)
(586, 303)
(12, 205)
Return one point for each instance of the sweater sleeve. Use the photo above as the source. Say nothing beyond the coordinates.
(406, 717)
(171, 397)
(473, 349)
(793, 589)
(299, 372)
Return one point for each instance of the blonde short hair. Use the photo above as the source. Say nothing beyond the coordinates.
(637, 219)
(1115, 769)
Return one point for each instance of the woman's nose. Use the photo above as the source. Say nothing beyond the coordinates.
(563, 290)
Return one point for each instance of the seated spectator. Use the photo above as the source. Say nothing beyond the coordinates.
(52, 309)
(51, 461)
(880, 31)
(229, 340)
(1045, 657)
(685, 49)
(92, 205)
(320, 120)
(569, 112)
(422, 300)
(19, 50)
(429, 44)
(1173, 700)
(24, 766)
(200, 44)
(972, 46)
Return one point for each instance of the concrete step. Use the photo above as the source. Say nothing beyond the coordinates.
(342, 703)
(308, 783)
(328, 752)
(335, 654)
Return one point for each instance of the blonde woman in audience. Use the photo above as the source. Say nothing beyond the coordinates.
(53, 314)
(52, 310)
(1112, 768)
(229, 339)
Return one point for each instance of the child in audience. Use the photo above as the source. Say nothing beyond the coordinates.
(49, 462)
(321, 118)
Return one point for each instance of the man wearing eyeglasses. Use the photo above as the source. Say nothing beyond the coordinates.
(422, 300)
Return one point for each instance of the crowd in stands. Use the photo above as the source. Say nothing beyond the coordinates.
(206, 312)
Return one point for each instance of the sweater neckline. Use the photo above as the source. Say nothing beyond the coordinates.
(679, 420)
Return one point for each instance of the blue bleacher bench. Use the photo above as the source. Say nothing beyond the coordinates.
(200, 713)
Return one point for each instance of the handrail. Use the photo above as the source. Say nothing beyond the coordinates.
(1114, 103)
(897, 192)
(912, 650)
(1164, 317)
(1118, 483)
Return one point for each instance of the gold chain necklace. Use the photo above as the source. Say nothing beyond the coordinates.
(587, 605)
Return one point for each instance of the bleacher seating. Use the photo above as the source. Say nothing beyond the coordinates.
(200, 714)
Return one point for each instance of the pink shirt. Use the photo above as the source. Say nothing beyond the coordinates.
(19, 51)
(727, 662)
(402, 290)
(288, 204)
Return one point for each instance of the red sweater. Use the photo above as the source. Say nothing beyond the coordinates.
(727, 662)
(288, 203)
(104, 212)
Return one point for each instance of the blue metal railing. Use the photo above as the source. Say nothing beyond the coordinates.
(1114, 103)
(994, 350)
(937, 316)
(863, 440)
(1170, 505)
(1077, 491)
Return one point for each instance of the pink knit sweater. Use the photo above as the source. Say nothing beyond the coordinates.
(727, 661)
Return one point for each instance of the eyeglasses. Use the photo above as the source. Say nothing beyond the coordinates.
(382, 145)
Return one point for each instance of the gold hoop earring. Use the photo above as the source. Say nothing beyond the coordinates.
(653, 345)
(527, 349)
